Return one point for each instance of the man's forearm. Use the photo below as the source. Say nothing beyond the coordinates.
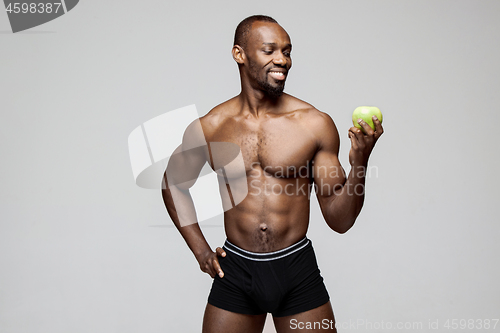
(183, 214)
(344, 207)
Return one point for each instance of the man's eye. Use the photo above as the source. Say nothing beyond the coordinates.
(268, 51)
(287, 54)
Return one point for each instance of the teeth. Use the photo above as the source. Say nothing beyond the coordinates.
(279, 73)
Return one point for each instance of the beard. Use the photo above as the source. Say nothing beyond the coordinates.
(271, 90)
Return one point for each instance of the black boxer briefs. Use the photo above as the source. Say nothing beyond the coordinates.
(283, 282)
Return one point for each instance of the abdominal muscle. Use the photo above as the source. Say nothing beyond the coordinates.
(273, 216)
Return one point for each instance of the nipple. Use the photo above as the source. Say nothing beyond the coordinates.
(263, 227)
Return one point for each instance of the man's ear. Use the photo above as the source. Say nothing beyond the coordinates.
(238, 54)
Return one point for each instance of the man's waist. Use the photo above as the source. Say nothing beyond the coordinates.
(267, 256)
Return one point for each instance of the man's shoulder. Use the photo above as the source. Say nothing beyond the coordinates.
(212, 120)
(320, 124)
(295, 103)
(203, 127)
(310, 114)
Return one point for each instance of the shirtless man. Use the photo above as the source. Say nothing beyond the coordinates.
(267, 263)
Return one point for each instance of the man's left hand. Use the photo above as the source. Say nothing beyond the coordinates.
(362, 143)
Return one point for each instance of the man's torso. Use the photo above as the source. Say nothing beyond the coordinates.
(277, 150)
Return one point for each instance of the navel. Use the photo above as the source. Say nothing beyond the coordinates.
(263, 227)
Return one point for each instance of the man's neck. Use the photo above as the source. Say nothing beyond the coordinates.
(258, 103)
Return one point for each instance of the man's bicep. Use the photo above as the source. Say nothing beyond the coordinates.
(188, 159)
(184, 167)
(328, 174)
(327, 171)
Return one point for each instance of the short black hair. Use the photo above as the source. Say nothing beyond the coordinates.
(242, 30)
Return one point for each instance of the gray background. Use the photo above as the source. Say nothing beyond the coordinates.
(83, 249)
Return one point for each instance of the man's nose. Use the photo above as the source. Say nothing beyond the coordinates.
(279, 59)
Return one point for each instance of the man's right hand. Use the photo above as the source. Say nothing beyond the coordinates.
(209, 263)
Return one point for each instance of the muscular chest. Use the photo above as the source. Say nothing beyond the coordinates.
(280, 146)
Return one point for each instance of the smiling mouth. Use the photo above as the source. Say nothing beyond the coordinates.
(277, 75)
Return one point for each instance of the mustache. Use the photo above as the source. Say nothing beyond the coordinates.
(280, 68)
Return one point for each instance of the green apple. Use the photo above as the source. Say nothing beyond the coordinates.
(366, 113)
